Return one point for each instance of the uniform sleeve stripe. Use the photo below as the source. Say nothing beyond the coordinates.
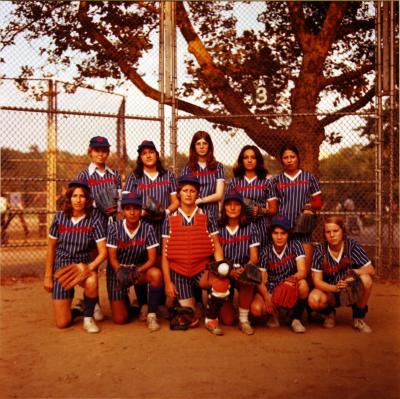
(112, 246)
(153, 246)
(316, 270)
(101, 239)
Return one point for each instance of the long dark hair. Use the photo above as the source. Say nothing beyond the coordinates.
(239, 170)
(224, 219)
(194, 157)
(68, 206)
(290, 147)
(139, 170)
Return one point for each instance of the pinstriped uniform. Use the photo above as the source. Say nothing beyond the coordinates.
(280, 266)
(74, 241)
(260, 191)
(236, 244)
(208, 184)
(293, 193)
(335, 269)
(183, 284)
(159, 187)
(98, 181)
(131, 250)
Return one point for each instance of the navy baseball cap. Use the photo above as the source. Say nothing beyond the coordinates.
(233, 196)
(78, 183)
(131, 199)
(189, 179)
(146, 144)
(280, 221)
(99, 142)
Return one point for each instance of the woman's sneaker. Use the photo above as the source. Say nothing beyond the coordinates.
(90, 326)
(273, 321)
(98, 313)
(297, 327)
(213, 327)
(362, 326)
(246, 328)
(152, 323)
(330, 320)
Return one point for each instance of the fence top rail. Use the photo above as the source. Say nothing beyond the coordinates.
(283, 114)
(80, 113)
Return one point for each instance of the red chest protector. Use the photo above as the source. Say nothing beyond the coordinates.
(189, 247)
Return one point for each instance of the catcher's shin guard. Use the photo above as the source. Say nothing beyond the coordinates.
(214, 305)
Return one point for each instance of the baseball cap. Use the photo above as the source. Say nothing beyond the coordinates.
(99, 142)
(78, 183)
(131, 199)
(280, 221)
(189, 179)
(146, 144)
(233, 196)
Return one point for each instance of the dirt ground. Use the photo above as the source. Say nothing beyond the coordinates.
(39, 361)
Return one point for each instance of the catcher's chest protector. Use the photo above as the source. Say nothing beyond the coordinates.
(189, 247)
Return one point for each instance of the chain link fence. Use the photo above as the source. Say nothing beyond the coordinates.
(30, 128)
(46, 127)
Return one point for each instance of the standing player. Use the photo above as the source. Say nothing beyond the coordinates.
(283, 261)
(151, 179)
(99, 176)
(252, 181)
(132, 243)
(73, 233)
(297, 192)
(240, 243)
(210, 173)
(331, 262)
(187, 247)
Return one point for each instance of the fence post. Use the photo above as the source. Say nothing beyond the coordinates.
(51, 155)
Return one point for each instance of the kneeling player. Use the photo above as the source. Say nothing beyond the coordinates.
(331, 264)
(132, 248)
(285, 273)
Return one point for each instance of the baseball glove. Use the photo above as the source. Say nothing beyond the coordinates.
(305, 223)
(181, 316)
(285, 295)
(71, 275)
(127, 276)
(249, 206)
(154, 212)
(354, 290)
(107, 200)
(221, 268)
(250, 275)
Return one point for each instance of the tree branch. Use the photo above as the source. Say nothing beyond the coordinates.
(297, 22)
(336, 80)
(362, 102)
(214, 77)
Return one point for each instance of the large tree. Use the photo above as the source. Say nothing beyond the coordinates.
(304, 52)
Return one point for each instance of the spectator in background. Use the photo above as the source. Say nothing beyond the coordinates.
(3, 209)
(16, 208)
(353, 221)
